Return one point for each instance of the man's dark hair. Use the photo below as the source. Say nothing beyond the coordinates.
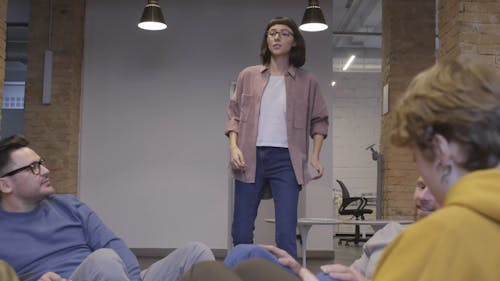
(7, 145)
(297, 53)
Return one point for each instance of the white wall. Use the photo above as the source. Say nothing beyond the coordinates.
(356, 125)
(153, 154)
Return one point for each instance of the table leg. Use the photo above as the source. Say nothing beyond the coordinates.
(304, 231)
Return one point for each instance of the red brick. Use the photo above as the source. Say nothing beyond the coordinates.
(55, 127)
(405, 53)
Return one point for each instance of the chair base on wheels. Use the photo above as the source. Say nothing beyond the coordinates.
(355, 238)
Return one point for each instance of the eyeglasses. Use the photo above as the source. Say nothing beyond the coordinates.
(283, 33)
(35, 168)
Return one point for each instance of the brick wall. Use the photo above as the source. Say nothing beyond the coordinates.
(3, 35)
(54, 129)
(407, 48)
(470, 30)
(448, 29)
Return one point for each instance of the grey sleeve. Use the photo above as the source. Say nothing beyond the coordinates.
(374, 247)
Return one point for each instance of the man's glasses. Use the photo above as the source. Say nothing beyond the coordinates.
(35, 168)
(283, 33)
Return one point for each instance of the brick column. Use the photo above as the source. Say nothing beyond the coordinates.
(470, 30)
(54, 129)
(408, 32)
(3, 36)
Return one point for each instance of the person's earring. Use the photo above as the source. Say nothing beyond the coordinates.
(446, 172)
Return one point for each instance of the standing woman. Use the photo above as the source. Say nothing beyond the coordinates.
(276, 107)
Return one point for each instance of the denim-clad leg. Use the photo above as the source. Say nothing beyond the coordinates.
(273, 165)
(245, 252)
(279, 172)
(246, 203)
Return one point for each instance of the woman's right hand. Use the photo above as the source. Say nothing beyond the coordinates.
(51, 276)
(342, 273)
(287, 260)
(237, 160)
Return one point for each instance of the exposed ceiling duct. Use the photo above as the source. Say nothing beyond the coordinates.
(357, 27)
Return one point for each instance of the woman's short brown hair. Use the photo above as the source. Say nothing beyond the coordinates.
(297, 53)
(458, 100)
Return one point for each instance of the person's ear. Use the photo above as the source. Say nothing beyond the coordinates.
(441, 148)
(5, 186)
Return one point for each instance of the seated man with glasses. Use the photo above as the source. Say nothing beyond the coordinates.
(57, 237)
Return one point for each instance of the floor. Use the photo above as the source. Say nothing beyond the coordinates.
(343, 255)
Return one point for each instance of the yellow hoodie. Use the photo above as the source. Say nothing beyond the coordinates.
(461, 241)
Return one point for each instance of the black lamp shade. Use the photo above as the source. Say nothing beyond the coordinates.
(152, 17)
(313, 19)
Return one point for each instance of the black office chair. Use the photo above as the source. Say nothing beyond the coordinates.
(355, 207)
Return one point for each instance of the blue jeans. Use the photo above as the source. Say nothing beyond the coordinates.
(275, 167)
(245, 252)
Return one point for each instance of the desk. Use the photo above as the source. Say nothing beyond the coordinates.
(304, 225)
(375, 224)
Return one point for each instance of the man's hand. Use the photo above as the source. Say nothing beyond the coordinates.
(342, 272)
(51, 276)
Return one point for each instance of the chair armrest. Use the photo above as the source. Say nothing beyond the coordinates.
(346, 202)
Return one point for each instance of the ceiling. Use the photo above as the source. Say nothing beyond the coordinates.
(17, 37)
(356, 29)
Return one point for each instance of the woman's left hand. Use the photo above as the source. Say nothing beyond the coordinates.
(318, 167)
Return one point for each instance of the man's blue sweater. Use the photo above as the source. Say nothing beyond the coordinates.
(57, 236)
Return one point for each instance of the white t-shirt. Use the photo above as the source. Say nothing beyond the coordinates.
(272, 119)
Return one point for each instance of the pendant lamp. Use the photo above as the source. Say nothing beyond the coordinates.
(152, 17)
(313, 19)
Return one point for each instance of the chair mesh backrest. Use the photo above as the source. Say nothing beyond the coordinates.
(345, 192)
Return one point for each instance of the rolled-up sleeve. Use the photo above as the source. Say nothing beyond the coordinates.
(233, 115)
(319, 114)
(233, 109)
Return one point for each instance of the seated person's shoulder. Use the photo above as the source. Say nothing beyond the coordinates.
(67, 201)
(393, 227)
(63, 198)
(390, 230)
(384, 236)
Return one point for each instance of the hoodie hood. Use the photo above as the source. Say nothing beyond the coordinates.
(478, 191)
